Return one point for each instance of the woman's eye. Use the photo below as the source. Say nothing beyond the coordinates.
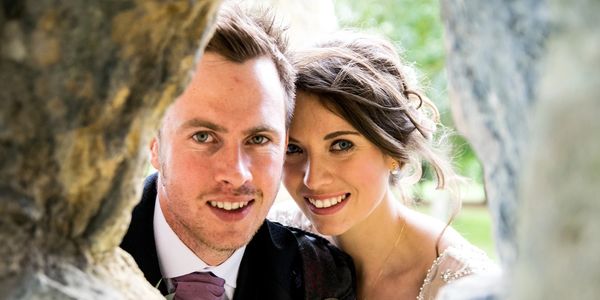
(202, 137)
(342, 145)
(293, 149)
(258, 140)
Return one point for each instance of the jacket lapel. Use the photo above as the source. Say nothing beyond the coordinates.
(139, 239)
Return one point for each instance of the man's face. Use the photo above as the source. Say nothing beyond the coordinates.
(220, 153)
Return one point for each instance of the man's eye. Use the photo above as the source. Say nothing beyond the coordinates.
(342, 145)
(202, 137)
(258, 140)
(293, 149)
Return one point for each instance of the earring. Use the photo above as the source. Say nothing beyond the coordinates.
(395, 168)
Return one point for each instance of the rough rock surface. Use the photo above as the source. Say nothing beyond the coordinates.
(493, 54)
(82, 86)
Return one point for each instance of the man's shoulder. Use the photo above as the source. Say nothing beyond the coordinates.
(278, 228)
(139, 238)
(304, 240)
(326, 268)
(310, 239)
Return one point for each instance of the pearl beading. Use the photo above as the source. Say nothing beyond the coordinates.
(472, 260)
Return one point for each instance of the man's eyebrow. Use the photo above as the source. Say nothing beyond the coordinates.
(194, 123)
(338, 133)
(260, 128)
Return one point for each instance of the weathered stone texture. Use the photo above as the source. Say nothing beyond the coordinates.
(559, 232)
(82, 85)
(493, 51)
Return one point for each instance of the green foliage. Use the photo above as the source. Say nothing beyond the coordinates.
(414, 25)
(416, 28)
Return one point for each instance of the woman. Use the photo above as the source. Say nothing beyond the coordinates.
(361, 126)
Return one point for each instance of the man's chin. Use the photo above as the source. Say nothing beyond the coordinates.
(234, 241)
(227, 237)
(229, 246)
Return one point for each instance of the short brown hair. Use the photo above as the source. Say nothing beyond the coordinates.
(242, 35)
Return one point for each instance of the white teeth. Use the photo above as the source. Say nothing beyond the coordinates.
(228, 205)
(327, 202)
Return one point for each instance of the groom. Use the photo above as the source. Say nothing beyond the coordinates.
(219, 153)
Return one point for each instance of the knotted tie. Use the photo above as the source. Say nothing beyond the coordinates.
(199, 285)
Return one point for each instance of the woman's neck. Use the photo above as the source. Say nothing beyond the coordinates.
(371, 241)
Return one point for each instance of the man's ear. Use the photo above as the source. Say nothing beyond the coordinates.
(154, 152)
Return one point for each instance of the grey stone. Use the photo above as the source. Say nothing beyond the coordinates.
(493, 51)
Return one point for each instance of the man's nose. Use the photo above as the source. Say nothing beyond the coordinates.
(233, 167)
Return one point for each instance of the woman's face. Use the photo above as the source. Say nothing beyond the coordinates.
(333, 172)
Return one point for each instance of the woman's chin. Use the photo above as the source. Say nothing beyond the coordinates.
(326, 229)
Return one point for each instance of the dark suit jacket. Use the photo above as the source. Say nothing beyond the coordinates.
(279, 262)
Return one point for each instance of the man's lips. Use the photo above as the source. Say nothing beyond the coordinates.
(231, 211)
(229, 205)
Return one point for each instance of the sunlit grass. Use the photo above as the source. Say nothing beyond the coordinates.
(474, 223)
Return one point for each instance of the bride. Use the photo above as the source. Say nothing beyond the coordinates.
(361, 126)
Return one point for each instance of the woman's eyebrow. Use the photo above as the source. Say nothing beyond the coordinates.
(335, 134)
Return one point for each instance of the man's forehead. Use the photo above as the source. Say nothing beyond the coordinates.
(211, 57)
(231, 96)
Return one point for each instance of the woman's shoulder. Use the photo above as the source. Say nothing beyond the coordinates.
(456, 261)
(450, 256)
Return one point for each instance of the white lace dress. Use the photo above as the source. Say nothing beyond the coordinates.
(453, 263)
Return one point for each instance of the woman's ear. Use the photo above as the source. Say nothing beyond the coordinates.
(393, 165)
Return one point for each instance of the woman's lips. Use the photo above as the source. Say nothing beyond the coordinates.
(327, 205)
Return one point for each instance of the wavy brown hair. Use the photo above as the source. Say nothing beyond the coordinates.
(363, 79)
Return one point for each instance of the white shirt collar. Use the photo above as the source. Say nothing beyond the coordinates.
(176, 259)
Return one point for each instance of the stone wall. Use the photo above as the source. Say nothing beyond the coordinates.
(82, 85)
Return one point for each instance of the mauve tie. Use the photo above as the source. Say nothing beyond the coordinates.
(198, 286)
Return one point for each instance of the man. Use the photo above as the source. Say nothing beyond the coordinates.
(219, 154)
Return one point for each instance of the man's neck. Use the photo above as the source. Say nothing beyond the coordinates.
(177, 259)
(210, 256)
